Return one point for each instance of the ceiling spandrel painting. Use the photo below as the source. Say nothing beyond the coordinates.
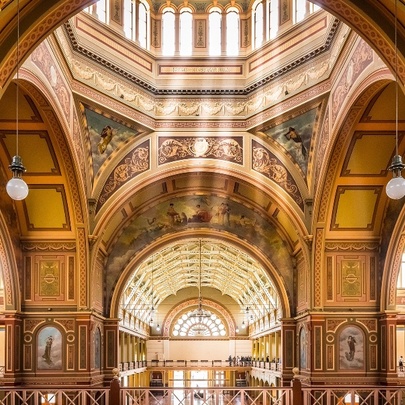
(105, 135)
(295, 137)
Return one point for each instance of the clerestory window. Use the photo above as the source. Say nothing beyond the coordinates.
(168, 31)
(232, 32)
(186, 32)
(215, 32)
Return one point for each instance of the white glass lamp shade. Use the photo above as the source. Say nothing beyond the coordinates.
(396, 188)
(17, 188)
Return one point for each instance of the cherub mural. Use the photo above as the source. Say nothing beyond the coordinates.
(106, 136)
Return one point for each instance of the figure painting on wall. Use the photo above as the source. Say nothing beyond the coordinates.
(49, 349)
(97, 349)
(303, 348)
(351, 349)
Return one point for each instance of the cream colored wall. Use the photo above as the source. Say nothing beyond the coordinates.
(400, 341)
(198, 350)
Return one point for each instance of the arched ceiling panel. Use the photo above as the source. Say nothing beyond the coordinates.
(203, 264)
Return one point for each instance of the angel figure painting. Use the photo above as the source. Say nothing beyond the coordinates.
(49, 349)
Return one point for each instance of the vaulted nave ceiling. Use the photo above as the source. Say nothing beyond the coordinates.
(222, 146)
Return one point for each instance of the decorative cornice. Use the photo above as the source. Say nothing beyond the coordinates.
(109, 65)
(49, 246)
(352, 246)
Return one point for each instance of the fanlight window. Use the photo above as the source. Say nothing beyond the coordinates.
(191, 324)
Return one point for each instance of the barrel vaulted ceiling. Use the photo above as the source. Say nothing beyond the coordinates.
(141, 155)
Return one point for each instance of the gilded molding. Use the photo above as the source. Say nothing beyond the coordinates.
(266, 163)
(318, 267)
(68, 324)
(48, 246)
(31, 324)
(82, 268)
(7, 277)
(380, 41)
(53, 19)
(134, 163)
(214, 147)
(351, 246)
(396, 265)
(370, 324)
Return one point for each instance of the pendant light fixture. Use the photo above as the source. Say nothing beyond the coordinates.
(396, 186)
(16, 187)
(200, 312)
(152, 308)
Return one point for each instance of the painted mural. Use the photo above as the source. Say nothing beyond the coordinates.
(295, 137)
(199, 212)
(105, 135)
(351, 348)
(49, 349)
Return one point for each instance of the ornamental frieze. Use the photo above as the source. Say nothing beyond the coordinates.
(266, 163)
(179, 148)
(134, 163)
(351, 246)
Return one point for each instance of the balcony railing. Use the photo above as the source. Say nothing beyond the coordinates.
(133, 365)
(359, 395)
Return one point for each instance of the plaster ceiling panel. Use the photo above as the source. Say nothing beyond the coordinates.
(355, 208)
(219, 183)
(253, 194)
(369, 154)
(46, 208)
(383, 107)
(43, 161)
(27, 112)
(284, 220)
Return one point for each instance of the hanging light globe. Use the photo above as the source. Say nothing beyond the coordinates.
(16, 187)
(396, 186)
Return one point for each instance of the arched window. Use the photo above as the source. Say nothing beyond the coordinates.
(168, 33)
(186, 32)
(129, 19)
(313, 7)
(191, 325)
(98, 9)
(143, 24)
(232, 32)
(258, 25)
(101, 10)
(215, 32)
(273, 18)
(300, 10)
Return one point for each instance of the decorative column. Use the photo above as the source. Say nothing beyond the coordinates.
(13, 343)
(287, 354)
(111, 344)
(388, 344)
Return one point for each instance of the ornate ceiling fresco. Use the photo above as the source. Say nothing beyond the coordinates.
(158, 153)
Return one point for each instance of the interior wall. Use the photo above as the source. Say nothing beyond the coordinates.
(198, 350)
(400, 341)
